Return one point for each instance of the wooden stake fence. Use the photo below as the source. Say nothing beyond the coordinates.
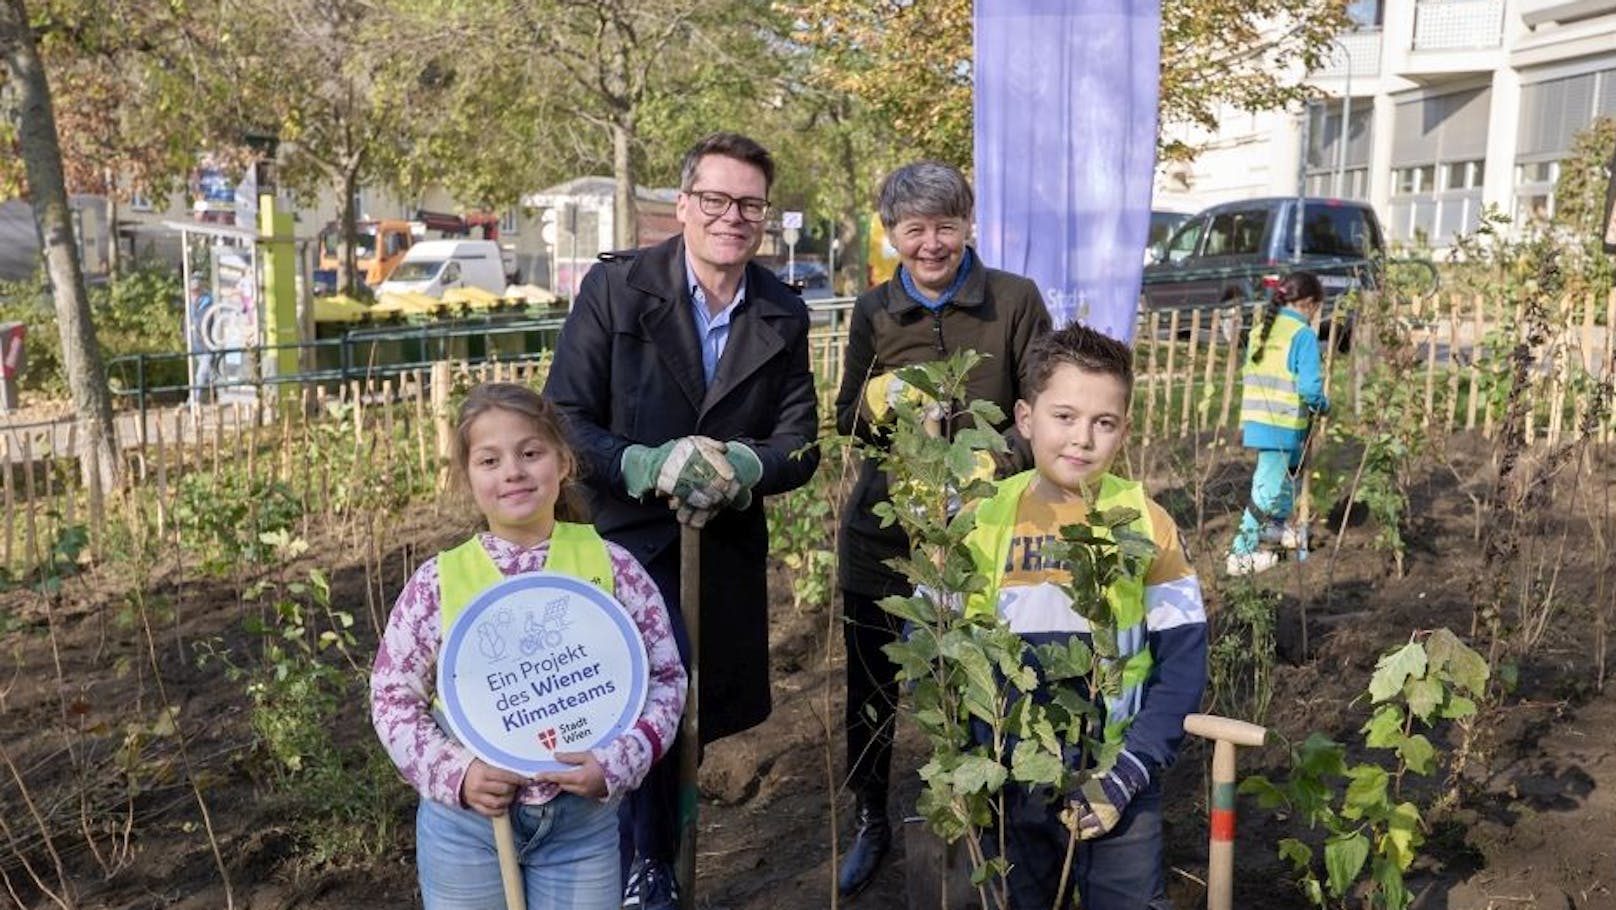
(1178, 353)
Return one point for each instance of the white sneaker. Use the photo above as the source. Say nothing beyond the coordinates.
(1284, 534)
(1251, 563)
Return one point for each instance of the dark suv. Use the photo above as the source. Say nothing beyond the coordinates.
(1239, 251)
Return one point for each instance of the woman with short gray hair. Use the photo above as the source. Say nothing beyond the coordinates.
(925, 188)
(941, 300)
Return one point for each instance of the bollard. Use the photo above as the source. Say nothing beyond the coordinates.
(13, 357)
(1226, 734)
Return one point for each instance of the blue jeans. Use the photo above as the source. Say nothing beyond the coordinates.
(1273, 491)
(567, 849)
(1120, 871)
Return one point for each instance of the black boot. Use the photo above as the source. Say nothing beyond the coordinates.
(871, 841)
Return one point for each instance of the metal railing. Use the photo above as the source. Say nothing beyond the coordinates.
(367, 353)
(354, 355)
(1458, 24)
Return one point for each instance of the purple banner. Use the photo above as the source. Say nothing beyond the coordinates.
(1066, 149)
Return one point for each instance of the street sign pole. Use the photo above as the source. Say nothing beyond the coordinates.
(790, 230)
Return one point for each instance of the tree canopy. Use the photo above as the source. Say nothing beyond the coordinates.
(494, 100)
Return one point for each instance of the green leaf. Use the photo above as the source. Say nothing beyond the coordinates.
(1064, 661)
(978, 774)
(1456, 707)
(1030, 764)
(1457, 661)
(1424, 696)
(1313, 890)
(1344, 858)
(1509, 676)
(1299, 854)
(1389, 880)
(1268, 795)
(1395, 669)
(942, 814)
(980, 439)
(1385, 727)
(1418, 753)
(991, 870)
(1322, 757)
(1403, 835)
(1366, 792)
(917, 608)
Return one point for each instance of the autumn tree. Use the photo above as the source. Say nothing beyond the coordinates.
(129, 111)
(26, 106)
(913, 64)
(909, 63)
(1579, 192)
(576, 80)
(1250, 55)
(342, 84)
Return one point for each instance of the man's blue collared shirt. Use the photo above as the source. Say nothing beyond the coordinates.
(712, 330)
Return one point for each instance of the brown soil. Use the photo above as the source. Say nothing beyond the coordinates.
(1535, 829)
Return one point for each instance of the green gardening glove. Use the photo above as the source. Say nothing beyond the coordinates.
(697, 473)
(641, 465)
(748, 471)
(691, 468)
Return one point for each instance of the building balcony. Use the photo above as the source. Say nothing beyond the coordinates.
(1537, 12)
(1357, 57)
(1447, 25)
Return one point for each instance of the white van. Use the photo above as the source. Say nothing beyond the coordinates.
(434, 266)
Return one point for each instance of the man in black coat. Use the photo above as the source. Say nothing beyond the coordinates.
(683, 371)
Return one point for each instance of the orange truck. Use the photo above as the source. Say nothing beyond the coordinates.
(380, 245)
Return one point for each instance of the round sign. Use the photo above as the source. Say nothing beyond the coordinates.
(538, 664)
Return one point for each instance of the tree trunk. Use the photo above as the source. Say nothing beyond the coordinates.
(347, 268)
(26, 102)
(114, 263)
(855, 261)
(625, 213)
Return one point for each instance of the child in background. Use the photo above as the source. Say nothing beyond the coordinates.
(1282, 387)
(1075, 417)
(512, 455)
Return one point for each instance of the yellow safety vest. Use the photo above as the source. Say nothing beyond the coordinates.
(989, 544)
(468, 570)
(1268, 387)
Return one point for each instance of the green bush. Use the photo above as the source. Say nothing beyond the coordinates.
(29, 303)
(141, 312)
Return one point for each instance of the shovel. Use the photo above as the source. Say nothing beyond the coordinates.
(684, 866)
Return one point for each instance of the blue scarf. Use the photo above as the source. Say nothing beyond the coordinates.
(943, 299)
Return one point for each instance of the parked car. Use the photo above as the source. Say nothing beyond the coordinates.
(1162, 225)
(810, 279)
(1239, 252)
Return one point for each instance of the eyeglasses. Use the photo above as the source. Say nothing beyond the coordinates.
(713, 204)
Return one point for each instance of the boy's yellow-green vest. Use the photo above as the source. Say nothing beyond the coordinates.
(1268, 388)
(989, 543)
(468, 570)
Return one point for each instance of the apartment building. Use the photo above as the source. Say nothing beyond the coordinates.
(1448, 106)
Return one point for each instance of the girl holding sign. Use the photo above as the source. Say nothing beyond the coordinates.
(511, 453)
